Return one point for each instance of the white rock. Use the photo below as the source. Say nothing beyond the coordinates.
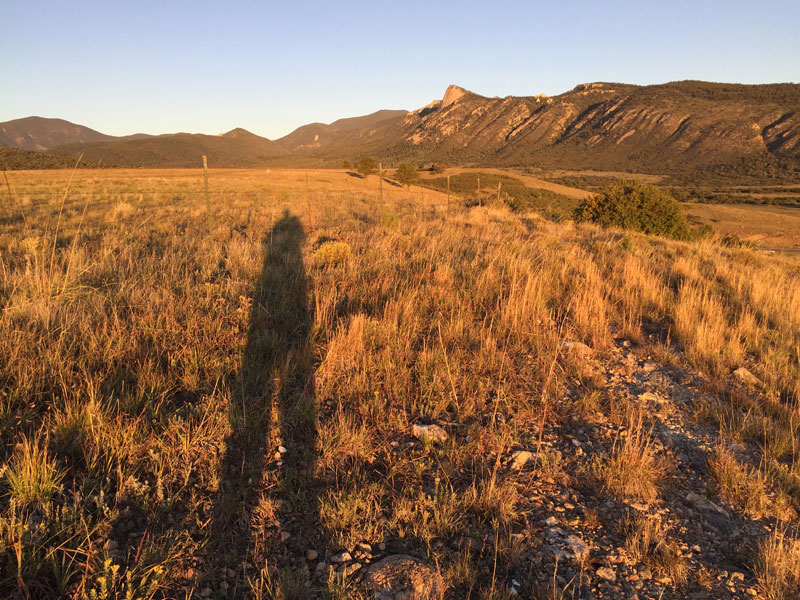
(429, 433)
(746, 377)
(341, 557)
(520, 459)
(579, 549)
(401, 576)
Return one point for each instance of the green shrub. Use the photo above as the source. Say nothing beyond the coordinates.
(406, 174)
(367, 166)
(637, 206)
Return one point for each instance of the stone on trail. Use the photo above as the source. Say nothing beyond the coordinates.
(579, 549)
(404, 577)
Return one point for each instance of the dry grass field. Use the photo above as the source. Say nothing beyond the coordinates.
(532, 182)
(765, 226)
(217, 404)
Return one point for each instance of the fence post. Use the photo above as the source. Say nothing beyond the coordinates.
(205, 181)
(380, 179)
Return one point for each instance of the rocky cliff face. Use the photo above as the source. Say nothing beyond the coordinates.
(597, 125)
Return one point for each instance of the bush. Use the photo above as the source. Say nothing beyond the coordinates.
(406, 174)
(332, 253)
(367, 166)
(637, 206)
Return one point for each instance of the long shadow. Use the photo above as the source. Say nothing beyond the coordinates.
(275, 382)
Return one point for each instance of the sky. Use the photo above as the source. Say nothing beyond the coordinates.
(203, 67)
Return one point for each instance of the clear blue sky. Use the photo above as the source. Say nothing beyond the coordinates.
(159, 67)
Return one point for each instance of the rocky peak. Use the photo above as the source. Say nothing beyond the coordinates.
(452, 94)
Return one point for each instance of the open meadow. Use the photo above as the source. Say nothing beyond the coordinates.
(235, 395)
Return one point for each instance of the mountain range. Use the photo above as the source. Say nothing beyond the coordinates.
(679, 127)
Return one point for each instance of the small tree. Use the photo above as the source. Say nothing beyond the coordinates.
(406, 174)
(367, 166)
(635, 205)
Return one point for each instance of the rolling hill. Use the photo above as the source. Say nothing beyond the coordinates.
(237, 148)
(39, 133)
(319, 135)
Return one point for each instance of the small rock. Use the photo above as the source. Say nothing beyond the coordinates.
(285, 535)
(551, 521)
(746, 377)
(607, 573)
(578, 348)
(341, 557)
(282, 449)
(429, 433)
(580, 550)
(404, 577)
(703, 503)
(381, 547)
(520, 459)
(645, 573)
(311, 554)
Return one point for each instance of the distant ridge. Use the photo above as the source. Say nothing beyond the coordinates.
(676, 127)
(317, 135)
(39, 133)
(686, 128)
(236, 148)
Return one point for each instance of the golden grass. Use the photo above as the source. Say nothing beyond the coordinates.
(777, 566)
(647, 541)
(133, 325)
(632, 471)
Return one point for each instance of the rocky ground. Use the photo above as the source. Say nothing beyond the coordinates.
(581, 540)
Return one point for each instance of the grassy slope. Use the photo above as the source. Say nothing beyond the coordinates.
(152, 367)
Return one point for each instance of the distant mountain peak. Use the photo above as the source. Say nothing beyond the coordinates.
(237, 132)
(452, 94)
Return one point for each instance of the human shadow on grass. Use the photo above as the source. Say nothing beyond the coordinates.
(273, 408)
